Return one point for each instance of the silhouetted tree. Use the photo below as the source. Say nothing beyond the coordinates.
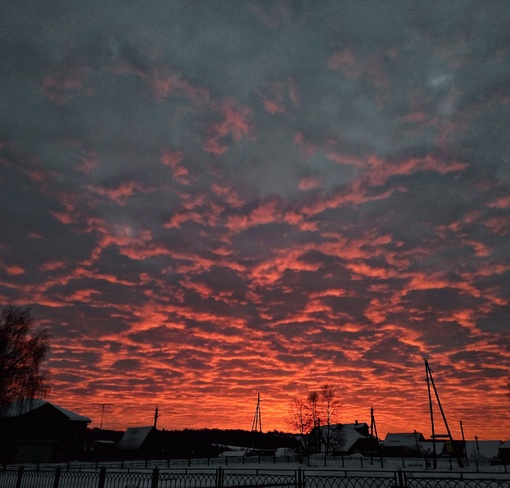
(330, 406)
(301, 421)
(22, 351)
(312, 418)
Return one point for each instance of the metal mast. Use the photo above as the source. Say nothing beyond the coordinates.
(256, 426)
(430, 382)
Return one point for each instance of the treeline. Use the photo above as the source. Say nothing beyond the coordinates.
(188, 443)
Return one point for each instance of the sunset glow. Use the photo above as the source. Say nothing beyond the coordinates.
(203, 201)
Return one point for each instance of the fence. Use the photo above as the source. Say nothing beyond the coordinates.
(250, 478)
(316, 461)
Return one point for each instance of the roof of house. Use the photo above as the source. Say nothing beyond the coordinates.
(482, 449)
(350, 433)
(134, 437)
(26, 405)
(403, 439)
(505, 445)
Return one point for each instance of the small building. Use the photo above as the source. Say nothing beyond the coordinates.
(140, 441)
(403, 444)
(37, 431)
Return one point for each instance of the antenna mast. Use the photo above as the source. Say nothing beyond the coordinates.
(430, 382)
(256, 426)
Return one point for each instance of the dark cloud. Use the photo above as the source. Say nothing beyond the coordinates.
(219, 200)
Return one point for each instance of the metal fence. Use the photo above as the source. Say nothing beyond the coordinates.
(315, 461)
(220, 477)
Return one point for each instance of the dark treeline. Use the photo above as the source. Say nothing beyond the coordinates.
(188, 443)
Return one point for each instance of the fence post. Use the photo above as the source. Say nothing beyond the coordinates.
(20, 475)
(299, 478)
(399, 479)
(56, 480)
(219, 477)
(155, 477)
(102, 477)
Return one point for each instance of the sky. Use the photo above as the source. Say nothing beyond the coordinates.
(202, 201)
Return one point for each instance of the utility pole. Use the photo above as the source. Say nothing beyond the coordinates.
(256, 426)
(103, 405)
(373, 428)
(156, 416)
(464, 450)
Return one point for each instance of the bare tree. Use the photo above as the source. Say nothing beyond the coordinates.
(330, 406)
(313, 416)
(301, 421)
(22, 351)
(315, 409)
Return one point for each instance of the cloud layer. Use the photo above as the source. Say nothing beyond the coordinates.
(202, 202)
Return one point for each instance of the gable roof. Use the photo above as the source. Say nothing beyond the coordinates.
(26, 405)
(350, 433)
(406, 439)
(134, 437)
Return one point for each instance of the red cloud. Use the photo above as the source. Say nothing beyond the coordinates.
(14, 270)
(121, 193)
(277, 93)
(310, 183)
(66, 84)
(173, 159)
(234, 123)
